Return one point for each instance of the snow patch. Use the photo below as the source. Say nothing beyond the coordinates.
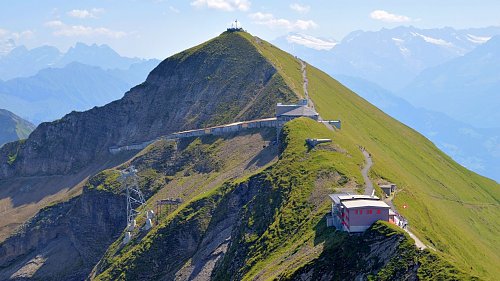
(439, 42)
(477, 39)
(311, 41)
(400, 43)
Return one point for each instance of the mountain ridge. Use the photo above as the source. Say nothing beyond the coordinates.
(13, 127)
(95, 136)
(23, 62)
(281, 227)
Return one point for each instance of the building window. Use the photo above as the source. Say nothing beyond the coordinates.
(378, 212)
(356, 212)
(369, 212)
(360, 212)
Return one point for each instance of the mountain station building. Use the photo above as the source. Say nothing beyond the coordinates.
(356, 213)
(288, 112)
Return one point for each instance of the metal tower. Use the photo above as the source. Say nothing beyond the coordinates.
(135, 199)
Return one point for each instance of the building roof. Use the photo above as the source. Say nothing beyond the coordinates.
(298, 111)
(361, 203)
(338, 197)
(357, 196)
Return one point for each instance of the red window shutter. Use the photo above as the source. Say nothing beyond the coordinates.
(360, 212)
(378, 212)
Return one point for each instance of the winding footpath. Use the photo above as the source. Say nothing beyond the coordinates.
(305, 85)
(369, 191)
(364, 172)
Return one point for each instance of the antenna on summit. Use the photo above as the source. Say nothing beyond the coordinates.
(235, 26)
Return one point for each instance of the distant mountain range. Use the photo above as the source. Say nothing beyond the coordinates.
(54, 92)
(465, 88)
(390, 57)
(21, 62)
(45, 84)
(13, 127)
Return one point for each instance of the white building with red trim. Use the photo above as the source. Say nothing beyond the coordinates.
(356, 213)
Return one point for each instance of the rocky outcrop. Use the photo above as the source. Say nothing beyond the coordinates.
(223, 80)
(64, 240)
(191, 245)
(380, 253)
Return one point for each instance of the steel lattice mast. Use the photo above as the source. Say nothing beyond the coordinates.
(135, 199)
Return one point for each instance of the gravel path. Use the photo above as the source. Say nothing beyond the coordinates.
(418, 243)
(364, 172)
(305, 84)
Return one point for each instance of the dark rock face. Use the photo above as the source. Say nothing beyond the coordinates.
(66, 239)
(196, 242)
(221, 81)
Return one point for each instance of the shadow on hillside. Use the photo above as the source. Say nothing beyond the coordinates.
(267, 154)
(340, 258)
(29, 190)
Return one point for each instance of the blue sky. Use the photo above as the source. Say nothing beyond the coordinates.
(159, 28)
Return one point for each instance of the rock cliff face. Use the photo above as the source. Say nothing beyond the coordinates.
(220, 81)
(65, 241)
(74, 233)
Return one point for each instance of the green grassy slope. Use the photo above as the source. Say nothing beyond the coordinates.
(279, 231)
(277, 223)
(451, 208)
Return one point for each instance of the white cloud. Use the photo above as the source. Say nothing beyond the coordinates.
(62, 29)
(54, 23)
(3, 32)
(26, 34)
(388, 17)
(300, 8)
(174, 10)
(223, 5)
(83, 14)
(311, 42)
(270, 21)
(261, 16)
